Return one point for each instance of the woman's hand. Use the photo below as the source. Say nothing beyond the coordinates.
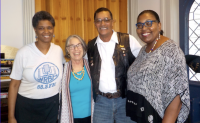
(172, 111)
(12, 96)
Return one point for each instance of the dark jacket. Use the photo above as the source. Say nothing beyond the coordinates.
(122, 58)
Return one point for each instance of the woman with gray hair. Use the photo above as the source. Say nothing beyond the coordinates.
(77, 95)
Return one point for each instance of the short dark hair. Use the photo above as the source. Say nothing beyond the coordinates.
(154, 14)
(102, 9)
(42, 15)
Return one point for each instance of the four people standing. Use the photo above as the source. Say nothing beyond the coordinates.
(157, 81)
(109, 56)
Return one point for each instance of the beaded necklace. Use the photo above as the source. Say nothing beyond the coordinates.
(82, 72)
(154, 44)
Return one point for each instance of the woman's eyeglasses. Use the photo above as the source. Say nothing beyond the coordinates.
(147, 24)
(72, 47)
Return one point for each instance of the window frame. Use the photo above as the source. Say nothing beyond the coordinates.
(184, 10)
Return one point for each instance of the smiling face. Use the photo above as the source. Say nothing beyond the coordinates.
(104, 28)
(76, 52)
(148, 34)
(44, 31)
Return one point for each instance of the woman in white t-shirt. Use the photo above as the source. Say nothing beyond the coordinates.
(36, 76)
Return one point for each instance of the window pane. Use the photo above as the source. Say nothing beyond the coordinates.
(197, 14)
(194, 36)
(193, 24)
(198, 1)
(194, 6)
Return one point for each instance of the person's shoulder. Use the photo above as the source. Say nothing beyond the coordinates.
(171, 44)
(85, 60)
(128, 35)
(55, 46)
(26, 48)
(171, 47)
(122, 33)
(92, 41)
(67, 63)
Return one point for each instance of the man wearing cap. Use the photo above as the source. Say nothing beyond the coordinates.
(110, 54)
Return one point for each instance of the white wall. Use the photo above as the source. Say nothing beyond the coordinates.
(149, 5)
(11, 23)
(168, 10)
(170, 19)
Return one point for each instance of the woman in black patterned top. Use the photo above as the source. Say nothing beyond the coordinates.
(158, 89)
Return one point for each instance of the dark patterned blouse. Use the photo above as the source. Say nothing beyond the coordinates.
(154, 80)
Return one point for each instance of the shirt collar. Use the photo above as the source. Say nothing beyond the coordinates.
(114, 38)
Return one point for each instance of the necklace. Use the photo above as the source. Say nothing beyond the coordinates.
(153, 46)
(83, 71)
(155, 43)
(79, 73)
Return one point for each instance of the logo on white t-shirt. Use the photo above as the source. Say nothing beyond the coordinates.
(46, 73)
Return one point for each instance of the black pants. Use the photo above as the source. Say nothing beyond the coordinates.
(36, 110)
(83, 120)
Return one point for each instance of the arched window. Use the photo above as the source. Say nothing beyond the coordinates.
(194, 35)
(189, 26)
(189, 13)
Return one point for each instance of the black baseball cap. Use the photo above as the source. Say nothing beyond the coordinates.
(193, 61)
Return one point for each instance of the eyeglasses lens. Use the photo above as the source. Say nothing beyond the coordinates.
(72, 47)
(147, 24)
(106, 20)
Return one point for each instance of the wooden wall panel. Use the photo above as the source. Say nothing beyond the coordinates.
(63, 22)
(72, 16)
(113, 5)
(90, 30)
(85, 7)
(99, 3)
(77, 17)
(123, 16)
(40, 5)
(79, 20)
(53, 9)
